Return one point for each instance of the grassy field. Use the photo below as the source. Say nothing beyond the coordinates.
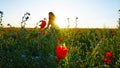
(87, 48)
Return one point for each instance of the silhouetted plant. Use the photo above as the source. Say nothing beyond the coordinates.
(68, 22)
(76, 22)
(119, 19)
(24, 19)
(1, 15)
(9, 25)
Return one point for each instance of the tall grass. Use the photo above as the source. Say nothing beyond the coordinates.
(28, 48)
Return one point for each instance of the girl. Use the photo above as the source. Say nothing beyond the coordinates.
(51, 20)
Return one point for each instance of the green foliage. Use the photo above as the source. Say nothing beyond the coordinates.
(23, 48)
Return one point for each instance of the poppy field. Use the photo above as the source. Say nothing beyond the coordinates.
(56, 47)
(59, 48)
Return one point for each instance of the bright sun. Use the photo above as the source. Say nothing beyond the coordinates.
(61, 18)
(61, 21)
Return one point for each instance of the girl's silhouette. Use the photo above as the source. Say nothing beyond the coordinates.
(52, 20)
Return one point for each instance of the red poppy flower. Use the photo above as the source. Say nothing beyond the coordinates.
(107, 61)
(109, 54)
(43, 24)
(61, 52)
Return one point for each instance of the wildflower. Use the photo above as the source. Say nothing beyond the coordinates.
(36, 57)
(27, 18)
(105, 59)
(23, 56)
(27, 13)
(43, 24)
(76, 17)
(108, 62)
(109, 54)
(1, 12)
(61, 52)
(108, 57)
(1, 24)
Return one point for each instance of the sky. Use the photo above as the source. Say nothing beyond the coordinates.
(90, 13)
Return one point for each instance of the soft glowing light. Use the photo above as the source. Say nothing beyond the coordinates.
(61, 18)
(61, 23)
